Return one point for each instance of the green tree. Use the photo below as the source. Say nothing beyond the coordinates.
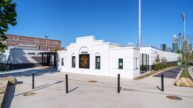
(191, 57)
(7, 17)
(186, 52)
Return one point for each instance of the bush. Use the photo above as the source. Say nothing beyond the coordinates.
(159, 66)
(143, 67)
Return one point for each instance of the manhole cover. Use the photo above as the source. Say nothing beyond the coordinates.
(92, 81)
(29, 94)
(174, 97)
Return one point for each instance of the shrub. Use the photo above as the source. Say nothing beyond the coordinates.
(159, 66)
(143, 67)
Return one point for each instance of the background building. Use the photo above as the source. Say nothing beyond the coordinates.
(25, 42)
(175, 46)
(163, 47)
(24, 52)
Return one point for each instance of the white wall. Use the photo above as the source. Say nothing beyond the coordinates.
(129, 55)
(109, 55)
(86, 44)
(153, 52)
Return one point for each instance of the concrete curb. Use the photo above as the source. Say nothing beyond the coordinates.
(178, 76)
(189, 70)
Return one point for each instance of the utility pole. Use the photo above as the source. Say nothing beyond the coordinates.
(46, 37)
(139, 24)
(184, 21)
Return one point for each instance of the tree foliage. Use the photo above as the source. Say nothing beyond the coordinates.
(186, 52)
(7, 17)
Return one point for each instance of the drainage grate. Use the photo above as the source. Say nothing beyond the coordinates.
(174, 97)
(29, 93)
(92, 81)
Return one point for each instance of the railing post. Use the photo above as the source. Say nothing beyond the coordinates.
(33, 75)
(162, 82)
(66, 76)
(118, 83)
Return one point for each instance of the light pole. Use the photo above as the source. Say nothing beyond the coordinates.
(180, 42)
(139, 24)
(184, 21)
(46, 37)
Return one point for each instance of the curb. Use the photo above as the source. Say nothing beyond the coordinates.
(189, 70)
(178, 76)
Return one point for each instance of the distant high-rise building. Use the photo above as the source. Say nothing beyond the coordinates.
(175, 44)
(163, 47)
(168, 49)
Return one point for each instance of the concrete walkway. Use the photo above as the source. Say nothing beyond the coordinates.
(50, 93)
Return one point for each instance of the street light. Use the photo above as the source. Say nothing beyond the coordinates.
(184, 21)
(180, 42)
(139, 24)
(46, 37)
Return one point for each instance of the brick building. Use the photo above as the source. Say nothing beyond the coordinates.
(26, 42)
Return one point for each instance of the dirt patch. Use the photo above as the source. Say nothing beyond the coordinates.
(92, 81)
(29, 93)
(174, 97)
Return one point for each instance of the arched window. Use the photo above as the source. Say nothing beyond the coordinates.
(84, 50)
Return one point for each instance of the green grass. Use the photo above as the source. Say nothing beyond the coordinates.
(186, 74)
(146, 75)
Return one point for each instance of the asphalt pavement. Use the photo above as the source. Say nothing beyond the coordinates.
(172, 73)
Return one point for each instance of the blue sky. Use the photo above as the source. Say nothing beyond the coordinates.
(111, 20)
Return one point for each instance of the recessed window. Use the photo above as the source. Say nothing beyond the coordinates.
(73, 61)
(97, 62)
(62, 61)
(120, 63)
(136, 63)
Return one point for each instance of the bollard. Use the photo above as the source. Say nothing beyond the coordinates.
(66, 76)
(118, 83)
(33, 75)
(162, 82)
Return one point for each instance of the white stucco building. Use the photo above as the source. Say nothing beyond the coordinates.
(96, 57)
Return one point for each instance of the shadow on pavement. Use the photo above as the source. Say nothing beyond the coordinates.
(9, 96)
(40, 87)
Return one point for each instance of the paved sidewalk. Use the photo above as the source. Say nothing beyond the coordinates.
(50, 93)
